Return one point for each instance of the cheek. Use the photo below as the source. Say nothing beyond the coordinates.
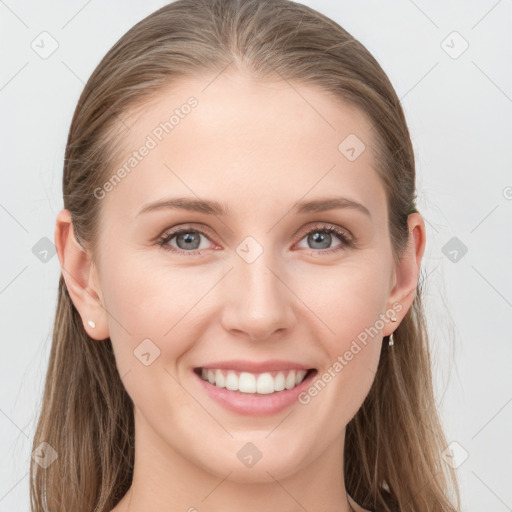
(151, 326)
(152, 302)
(349, 300)
(344, 300)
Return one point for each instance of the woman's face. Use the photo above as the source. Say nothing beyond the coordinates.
(246, 290)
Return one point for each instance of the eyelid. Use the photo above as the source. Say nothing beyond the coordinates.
(320, 226)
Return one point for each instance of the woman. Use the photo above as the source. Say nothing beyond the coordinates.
(207, 353)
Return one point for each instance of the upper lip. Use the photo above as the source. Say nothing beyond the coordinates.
(254, 366)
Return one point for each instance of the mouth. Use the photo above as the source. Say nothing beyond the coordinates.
(262, 383)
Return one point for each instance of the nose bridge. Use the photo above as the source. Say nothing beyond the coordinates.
(260, 302)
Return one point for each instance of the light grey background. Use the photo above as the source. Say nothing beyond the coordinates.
(459, 113)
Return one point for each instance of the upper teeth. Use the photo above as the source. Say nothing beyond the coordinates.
(245, 382)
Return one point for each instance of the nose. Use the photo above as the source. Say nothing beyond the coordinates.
(258, 304)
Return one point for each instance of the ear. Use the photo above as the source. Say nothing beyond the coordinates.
(407, 271)
(81, 277)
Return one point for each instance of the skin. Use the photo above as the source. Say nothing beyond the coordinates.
(258, 147)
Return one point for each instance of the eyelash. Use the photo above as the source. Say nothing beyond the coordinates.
(345, 238)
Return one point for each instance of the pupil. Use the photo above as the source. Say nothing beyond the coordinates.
(189, 240)
(325, 238)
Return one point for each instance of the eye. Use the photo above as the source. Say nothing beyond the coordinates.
(188, 239)
(323, 241)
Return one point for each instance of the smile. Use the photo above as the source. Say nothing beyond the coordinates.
(254, 389)
(247, 382)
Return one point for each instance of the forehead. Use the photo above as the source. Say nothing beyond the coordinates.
(247, 142)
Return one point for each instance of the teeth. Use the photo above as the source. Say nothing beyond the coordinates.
(232, 382)
(279, 382)
(245, 382)
(265, 384)
(290, 380)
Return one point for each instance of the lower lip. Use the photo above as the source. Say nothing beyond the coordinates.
(253, 404)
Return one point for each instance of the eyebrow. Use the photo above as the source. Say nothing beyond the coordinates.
(210, 207)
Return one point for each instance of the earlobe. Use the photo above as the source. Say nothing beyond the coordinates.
(79, 274)
(408, 269)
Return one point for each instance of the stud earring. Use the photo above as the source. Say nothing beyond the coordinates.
(91, 323)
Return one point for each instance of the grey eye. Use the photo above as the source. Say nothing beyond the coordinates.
(319, 237)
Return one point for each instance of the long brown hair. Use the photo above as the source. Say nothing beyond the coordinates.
(393, 444)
